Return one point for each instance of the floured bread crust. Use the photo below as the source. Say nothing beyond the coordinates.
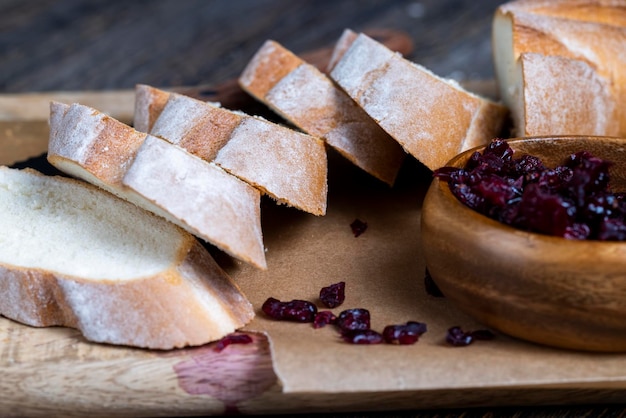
(193, 303)
(432, 118)
(148, 105)
(101, 150)
(307, 98)
(341, 46)
(586, 103)
(587, 33)
(201, 197)
(189, 301)
(287, 165)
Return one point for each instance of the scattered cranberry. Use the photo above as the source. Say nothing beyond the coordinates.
(431, 287)
(404, 334)
(362, 336)
(572, 200)
(333, 295)
(232, 339)
(459, 338)
(352, 324)
(323, 318)
(358, 227)
(354, 319)
(296, 310)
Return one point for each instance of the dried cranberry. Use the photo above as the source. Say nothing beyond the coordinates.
(577, 231)
(600, 206)
(448, 174)
(529, 167)
(358, 227)
(458, 338)
(232, 339)
(612, 229)
(333, 295)
(543, 211)
(496, 190)
(590, 174)
(404, 334)
(500, 148)
(323, 318)
(468, 196)
(353, 319)
(571, 200)
(366, 336)
(295, 310)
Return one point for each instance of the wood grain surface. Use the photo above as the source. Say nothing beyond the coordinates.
(79, 45)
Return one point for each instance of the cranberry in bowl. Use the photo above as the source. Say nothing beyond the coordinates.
(546, 271)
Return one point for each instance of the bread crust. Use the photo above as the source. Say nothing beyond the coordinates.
(608, 12)
(101, 150)
(289, 166)
(309, 100)
(432, 118)
(341, 46)
(590, 33)
(199, 196)
(586, 104)
(149, 103)
(192, 301)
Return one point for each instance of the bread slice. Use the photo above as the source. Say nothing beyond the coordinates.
(287, 165)
(431, 117)
(197, 196)
(590, 34)
(307, 98)
(586, 105)
(348, 36)
(74, 255)
(149, 103)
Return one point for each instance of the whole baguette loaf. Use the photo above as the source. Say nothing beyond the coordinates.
(194, 194)
(307, 98)
(74, 255)
(287, 165)
(588, 37)
(432, 118)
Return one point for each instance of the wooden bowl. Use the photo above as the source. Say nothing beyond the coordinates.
(548, 290)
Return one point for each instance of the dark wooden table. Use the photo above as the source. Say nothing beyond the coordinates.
(59, 45)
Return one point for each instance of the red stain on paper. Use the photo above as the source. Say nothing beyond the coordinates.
(233, 374)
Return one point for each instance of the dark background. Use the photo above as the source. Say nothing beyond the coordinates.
(110, 44)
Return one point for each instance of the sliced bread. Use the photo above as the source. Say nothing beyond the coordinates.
(194, 194)
(287, 165)
(74, 255)
(306, 97)
(431, 117)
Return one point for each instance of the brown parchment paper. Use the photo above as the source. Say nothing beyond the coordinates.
(384, 272)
